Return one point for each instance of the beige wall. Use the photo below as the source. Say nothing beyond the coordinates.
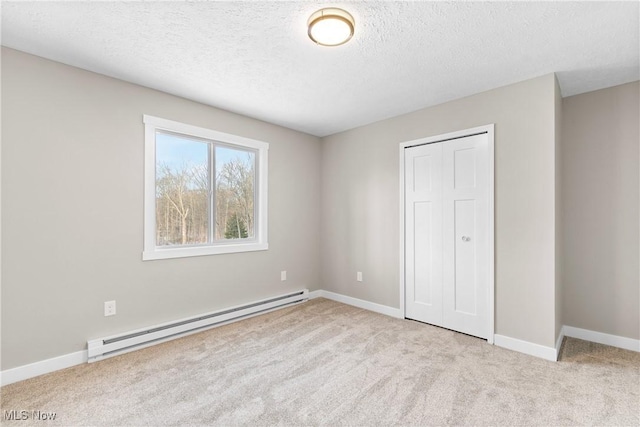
(360, 212)
(72, 200)
(600, 186)
(558, 207)
(72, 197)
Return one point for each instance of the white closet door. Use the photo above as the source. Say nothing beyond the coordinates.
(446, 234)
(465, 286)
(423, 210)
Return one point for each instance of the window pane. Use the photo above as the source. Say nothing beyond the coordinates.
(235, 194)
(182, 190)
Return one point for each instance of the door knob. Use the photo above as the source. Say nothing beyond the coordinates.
(466, 238)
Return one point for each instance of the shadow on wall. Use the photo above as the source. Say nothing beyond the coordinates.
(585, 352)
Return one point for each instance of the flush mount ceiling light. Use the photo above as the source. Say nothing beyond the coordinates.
(331, 27)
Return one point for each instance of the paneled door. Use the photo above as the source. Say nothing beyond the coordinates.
(447, 216)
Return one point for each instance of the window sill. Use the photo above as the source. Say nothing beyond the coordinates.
(168, 253)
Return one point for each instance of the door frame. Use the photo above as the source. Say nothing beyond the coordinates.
(489, 130)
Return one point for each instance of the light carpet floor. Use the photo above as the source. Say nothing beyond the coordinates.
(326, 363)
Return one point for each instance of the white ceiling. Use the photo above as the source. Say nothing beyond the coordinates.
(254, 58)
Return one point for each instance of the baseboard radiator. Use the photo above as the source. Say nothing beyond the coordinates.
(103, 348)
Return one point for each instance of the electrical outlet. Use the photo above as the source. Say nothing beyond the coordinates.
(359, 276)
(283, 275)
(110, 308)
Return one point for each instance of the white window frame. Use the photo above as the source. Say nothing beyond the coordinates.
(151, 250)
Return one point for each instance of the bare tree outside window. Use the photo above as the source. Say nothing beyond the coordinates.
(235, 179)
(183, 191)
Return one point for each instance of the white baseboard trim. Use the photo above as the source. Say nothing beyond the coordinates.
(315, 294)
(602, 338)
(537, 350)
(31, 370)
(360, 303)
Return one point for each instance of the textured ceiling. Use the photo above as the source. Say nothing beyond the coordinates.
(254, 58)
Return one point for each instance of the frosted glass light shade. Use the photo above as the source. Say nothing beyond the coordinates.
(331, 27)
